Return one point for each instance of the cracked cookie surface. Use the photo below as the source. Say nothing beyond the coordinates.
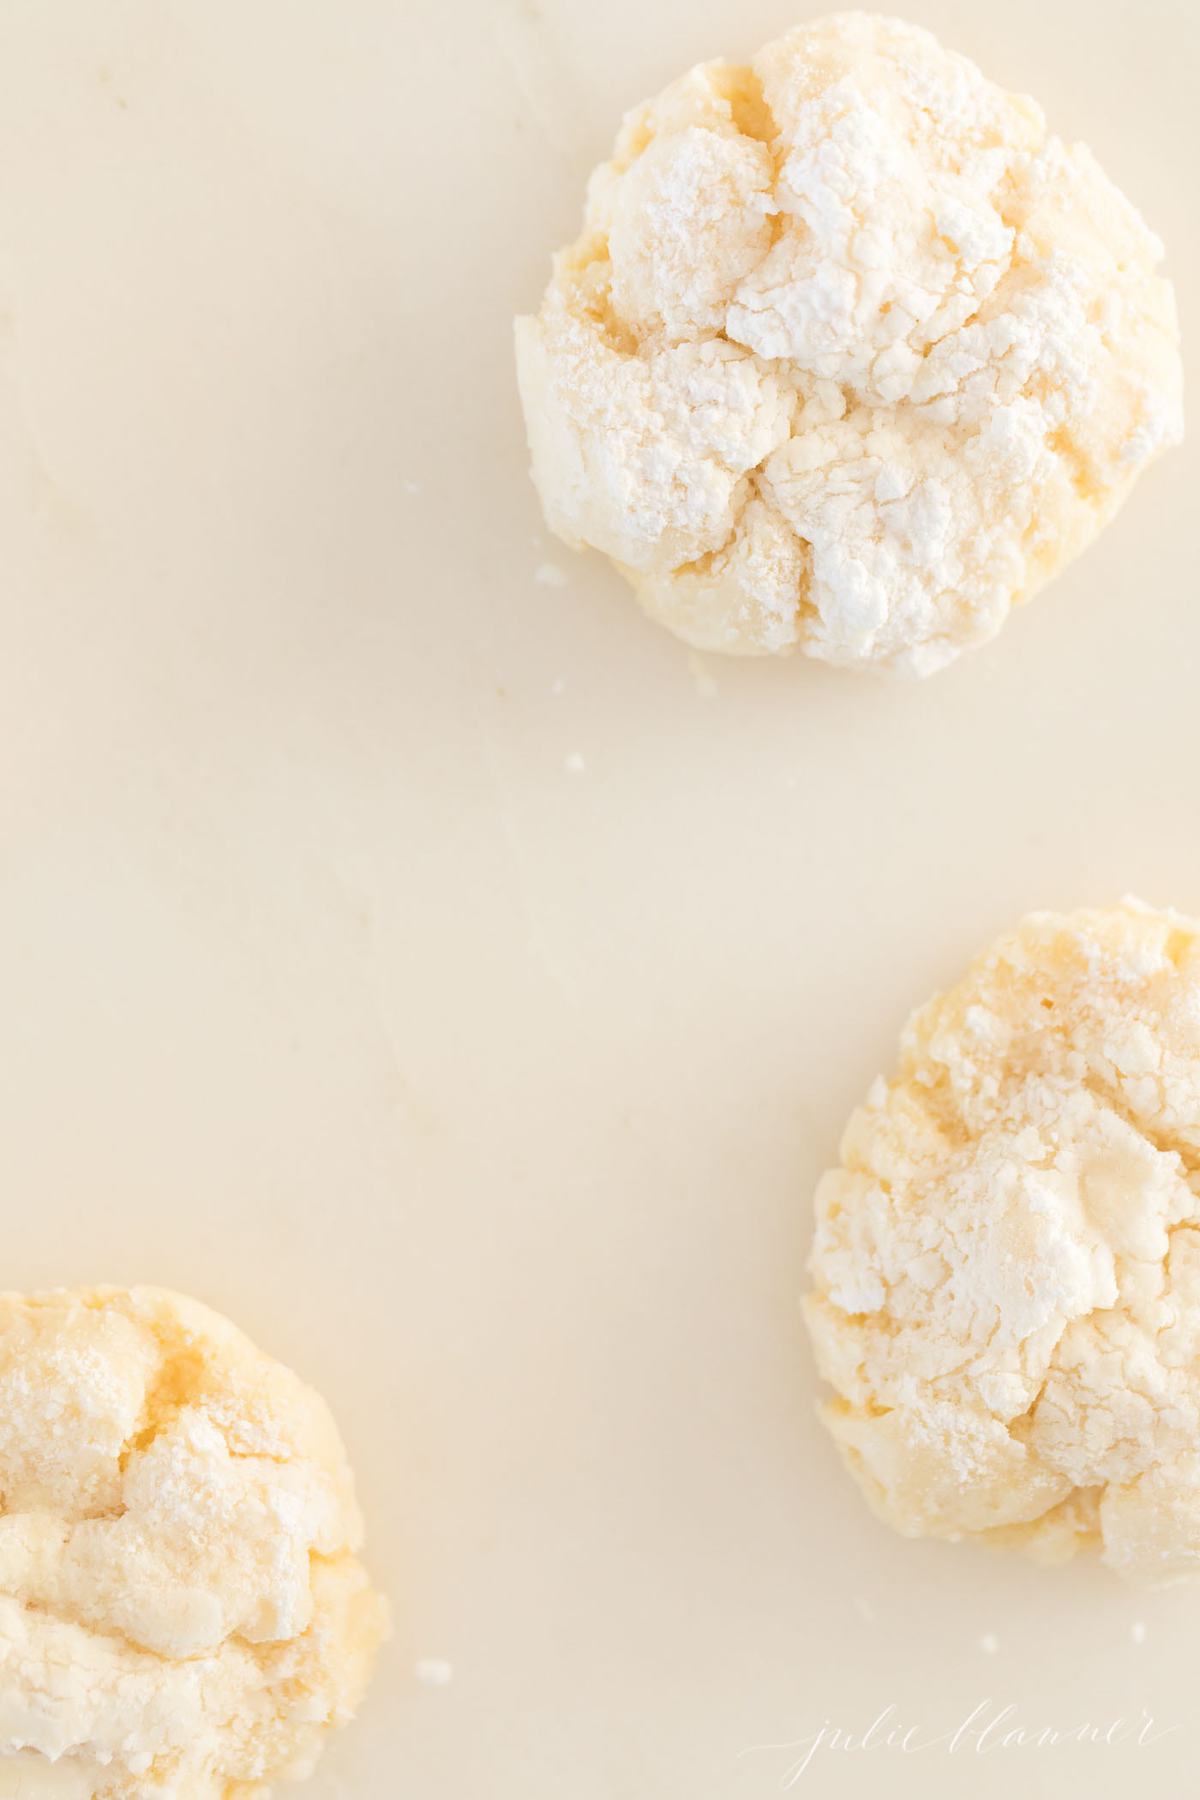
(851, 355)
(182, 1608)
(1006, 1265)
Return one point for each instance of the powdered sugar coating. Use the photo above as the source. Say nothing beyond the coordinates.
(182, 1610)
(851, 355)
(1006, 1266)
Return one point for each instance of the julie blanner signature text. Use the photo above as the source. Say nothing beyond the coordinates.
(988, 1729)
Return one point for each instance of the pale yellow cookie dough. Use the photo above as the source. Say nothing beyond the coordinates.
(1006, 1266)
(852, 354)
(182, 1608)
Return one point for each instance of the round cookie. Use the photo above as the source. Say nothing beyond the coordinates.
(851, 355)
(182, 1609)
(1006, 1267)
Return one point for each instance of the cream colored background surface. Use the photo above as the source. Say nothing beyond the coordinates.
(489, 1093)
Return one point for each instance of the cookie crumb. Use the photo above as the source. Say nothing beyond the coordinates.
(702, 677)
